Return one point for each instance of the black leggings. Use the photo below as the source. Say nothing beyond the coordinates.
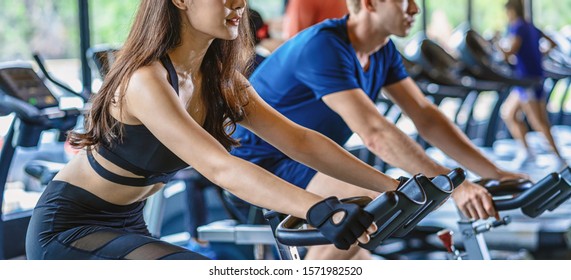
(72, 223)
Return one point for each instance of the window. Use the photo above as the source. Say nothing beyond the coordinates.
(269, 9)
(110, 23)
(111, 20)
(441, 19)
(552, 15)
(489, 17)
(272, 12)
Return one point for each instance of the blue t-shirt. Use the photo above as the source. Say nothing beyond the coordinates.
(318, 61)
(528, 56)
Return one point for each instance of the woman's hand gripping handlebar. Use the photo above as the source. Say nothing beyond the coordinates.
(341, 223)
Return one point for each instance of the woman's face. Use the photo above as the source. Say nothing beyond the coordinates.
(216, 18)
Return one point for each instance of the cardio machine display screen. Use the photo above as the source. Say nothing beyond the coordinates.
(24, 84)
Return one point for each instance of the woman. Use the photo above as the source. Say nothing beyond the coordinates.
(171, 100)
(524, 44)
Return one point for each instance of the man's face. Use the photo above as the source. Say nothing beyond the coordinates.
(396, 16)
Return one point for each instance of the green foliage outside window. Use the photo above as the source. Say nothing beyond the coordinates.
(51, 26)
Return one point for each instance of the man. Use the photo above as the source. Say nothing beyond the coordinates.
(327, 79)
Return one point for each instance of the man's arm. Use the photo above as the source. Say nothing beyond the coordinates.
(439, 131)
(379, 135)
(310, 147)
(389, 143)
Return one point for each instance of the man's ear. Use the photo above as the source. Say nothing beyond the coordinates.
(370, 5)
(181, 4)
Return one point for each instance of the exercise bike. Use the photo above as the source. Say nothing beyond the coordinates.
(36, 108)
(395, 213)
(532, 199)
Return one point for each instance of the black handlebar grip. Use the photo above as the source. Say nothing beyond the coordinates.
(394, 212)
(384, 209)
(457, 176)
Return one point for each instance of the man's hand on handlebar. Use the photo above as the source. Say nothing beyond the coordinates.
(506, 175)
(474, 201)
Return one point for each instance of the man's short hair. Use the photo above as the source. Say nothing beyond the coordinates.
(354, 6)
(517, 7)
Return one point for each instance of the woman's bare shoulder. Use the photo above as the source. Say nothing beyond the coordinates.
(147, 86)
(150, 75)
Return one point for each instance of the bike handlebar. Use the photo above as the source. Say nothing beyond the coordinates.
(394, 212)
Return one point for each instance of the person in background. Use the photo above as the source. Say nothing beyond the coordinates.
(524, 46)
(261, 35)
(301, 14)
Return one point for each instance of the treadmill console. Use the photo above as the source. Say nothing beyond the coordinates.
(24, 84)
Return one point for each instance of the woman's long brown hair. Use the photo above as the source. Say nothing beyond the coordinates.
(156, 30)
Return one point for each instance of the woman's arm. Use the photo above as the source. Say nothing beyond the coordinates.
(151, 100)
(311, 148)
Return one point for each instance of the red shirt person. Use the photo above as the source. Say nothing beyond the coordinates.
(301, 14)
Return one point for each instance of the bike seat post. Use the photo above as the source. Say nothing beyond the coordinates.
(474, 242)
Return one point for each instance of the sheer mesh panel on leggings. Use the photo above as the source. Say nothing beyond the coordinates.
(149, 248)
(154, 251)
(95, 240)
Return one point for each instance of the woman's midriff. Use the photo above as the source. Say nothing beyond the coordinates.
(79, 172)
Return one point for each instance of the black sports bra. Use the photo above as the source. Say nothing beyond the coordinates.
(140, 152)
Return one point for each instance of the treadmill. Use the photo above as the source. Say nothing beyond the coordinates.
(484, 62)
